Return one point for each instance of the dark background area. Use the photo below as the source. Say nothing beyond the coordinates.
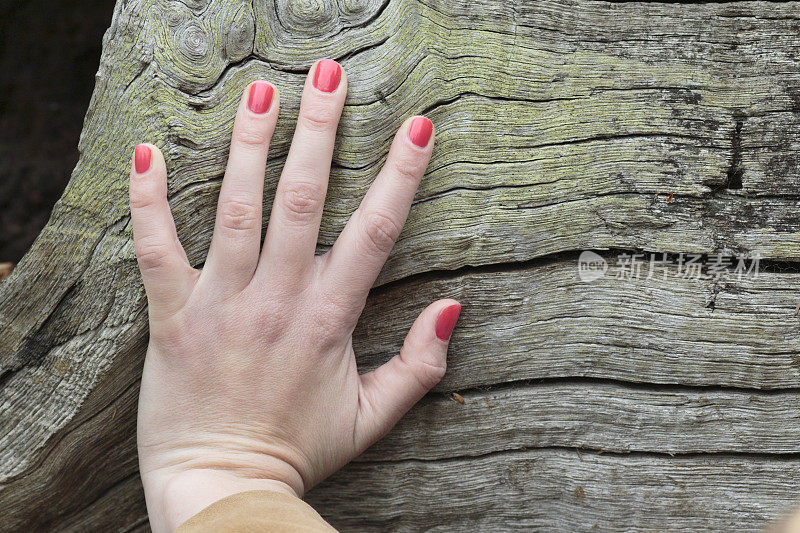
(49, 53)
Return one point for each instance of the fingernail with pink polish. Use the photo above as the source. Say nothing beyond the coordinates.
(447, 321)
(260, 98)
(141, 158)
(420, 131)
(327, 75)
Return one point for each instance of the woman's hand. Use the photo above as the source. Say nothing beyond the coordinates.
(250, 380)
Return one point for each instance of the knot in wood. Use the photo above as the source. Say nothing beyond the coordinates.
(308, 16)
(356, 6)
(192, 41)
(240, 35)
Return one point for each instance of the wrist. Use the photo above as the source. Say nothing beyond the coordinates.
(174, 498)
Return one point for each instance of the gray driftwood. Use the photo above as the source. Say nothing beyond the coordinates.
(562, 126)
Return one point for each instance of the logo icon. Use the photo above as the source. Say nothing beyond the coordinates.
(591, 266)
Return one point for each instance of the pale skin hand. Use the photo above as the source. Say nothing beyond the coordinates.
(250, 380)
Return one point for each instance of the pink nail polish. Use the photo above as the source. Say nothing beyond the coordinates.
(327, 75)
(141, 158)
(420, 131)
(260, 98)
(447, 321)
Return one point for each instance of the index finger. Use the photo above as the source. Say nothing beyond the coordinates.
(358, 255)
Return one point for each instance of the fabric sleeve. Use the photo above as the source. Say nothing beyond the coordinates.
(257, 511)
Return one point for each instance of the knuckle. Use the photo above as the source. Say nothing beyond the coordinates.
(317, 118)
(141, 199)
(380, 232)
(334, 316)
(239, 215)
(429, 374)
(408, 169)
(327, 325)
(151, 254)
(331, 320)
(301, 200)
(427, 370)
(341, 310)
(274, 321)
(252, 135)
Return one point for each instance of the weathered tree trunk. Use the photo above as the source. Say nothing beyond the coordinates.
(562, 126)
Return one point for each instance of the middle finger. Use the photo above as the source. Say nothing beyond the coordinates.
(293, 228)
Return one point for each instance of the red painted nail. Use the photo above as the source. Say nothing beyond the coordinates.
(141, 158)
(260, 98)
(420, 131)
(327, 75)
(447, 321)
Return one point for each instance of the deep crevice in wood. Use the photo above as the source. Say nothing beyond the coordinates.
(735, 172)
(566, 256)
(793, 458)
(631, 385)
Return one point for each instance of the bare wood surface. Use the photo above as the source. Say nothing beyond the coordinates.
(561, 126)
(552, 325)
(559, 490)
(602, 416)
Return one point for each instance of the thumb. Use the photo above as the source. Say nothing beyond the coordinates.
(386, 393)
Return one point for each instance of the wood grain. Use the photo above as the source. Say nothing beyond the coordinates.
(561, 490)
(599, 416)
(561, 126)
(705, 332)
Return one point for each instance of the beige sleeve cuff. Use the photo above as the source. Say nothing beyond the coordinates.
(257, 510)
